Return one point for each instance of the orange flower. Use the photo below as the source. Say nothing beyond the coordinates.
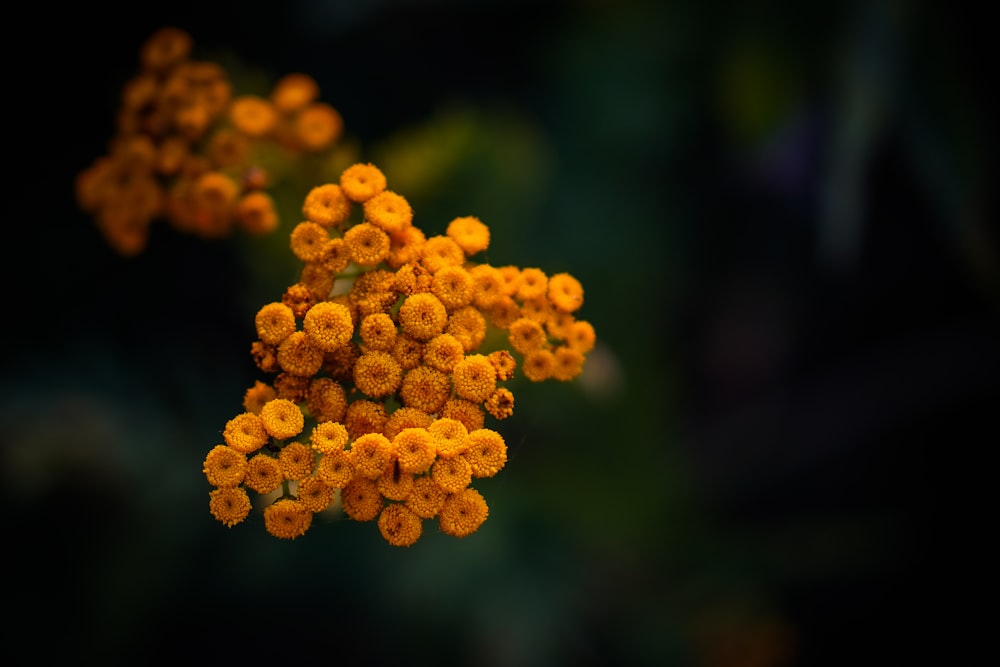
(422, 316)
(475, 378)
(282, 419)
(367, 245)
(230, 505)
(463, 513)
(363, 417)
(257, 395)
(500, 404)
(467, 325)
(449, 437)
(336, 468)
(296, 461)
(263, 474)
(469, 233)
(526, 335)
(486, 452)
(165, 48)
(245, 433)
(225, 466)
(378, 332)
(315, 494)
(426, 498)
(293, 92)
(328, 325)
(467, 412)
(327, 205)
(326, 400)
(287, 519)
(360, 182)
(361, 500)
(534, 284)
(565, 292)
(275, 322)
(253, 115)
(443, 352)
(404, 417)
(329, 437)
(255, 213)
(414, 448)
(388, 211)
(440, 251)
(318, 126)
(297, 355)
(377, 374)
(399, 525)
(425, 388)
(504, 364)
(308, 240)
(371, 453)
(538, 365)
(393, 483)
(568, 363)
(452, 475)
(453, 286)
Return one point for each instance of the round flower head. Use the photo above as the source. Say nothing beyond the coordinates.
(393, 483)
(453, 286)
(487, 286)
(467, 325)
(328, 325)
(425, 388)
(474, 378)
(526, 335)
(299, 298)
(256, 396)
(504, 363)
(317, 280)
(463, 513)
(336, 468)
(449, 437)
(443, 352)
(511, 276)
(469, 233)
(404, 417)
(559, 325)
(363, 417)
(224, 466)
(468, 413)
(406, 247)
(422, 316)
(371, 453)
(581, 336)
(399, 525)
(245, 433)
(439, 252)
(255, 213)
(275, 322)
(378, 332)
(414, 448)
(326, 400)
(327, 205)
(376, 374)
(298, 355)
(253, 115)
(538, 365)
(282, 419)
(296, 461)
(165, 48)
(568, 363)
(367, 245)
(538, 309)
(504, 312)
(315, 494)
(293, 91)
(388, 211)
(452, 475)
(287, 519)
(291, 387)
(266, 358)
(328, 437)
(308, 240)
(360, 182)
(318, 126)
(565, 292)
(230, 505)
(360, 499)
(534, 284)
(335, 256)
(426, 498)
(500, 404)
(486, 452)
(263, 474)
(407, 352)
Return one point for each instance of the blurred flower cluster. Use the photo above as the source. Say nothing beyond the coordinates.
(384, 361)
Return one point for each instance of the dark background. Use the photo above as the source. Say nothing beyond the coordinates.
(783, 218)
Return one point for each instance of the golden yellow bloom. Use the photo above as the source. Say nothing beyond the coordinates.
(360, 182)
(504, 363)
(336, 468)
(265, 356)
(406, 246)
(469, 413)
(363, 417)
(287, 519)
(339, 364)
(425, 388)
(469, 233)
(500, 404)
(367, 245)
(378, 332)
(165, 48)
(504, 312)
(538, 309)
(282, 419)
(404, 417)
(407, 352)
(315, 494)
(526, 335)
(335, 256)
(399, 525)
(256, 214)
(230, 505)
(225, 466)
(453, 286)
(228, 149)
(257, 395)
(452, 475)
(581, 336)
(275, 322)
(463, 513)
(538, 365)
(299, 298)
(511, 276)
(326, 400)
(565, 292)
(426, 498)
(377, 374)
(534, 284)
(298, 355)
(328, 325)
(393, 483)
(467, 325)
(568, 363)
(474, 378)
(422, 316)
(296, 461)
(486, 452)
(360, 499)
(291, 387)
(439, 252)
(253, 115)
(263, 474)
(329, 437)
(327, 205)
(293, 92)
(559, 325)
(487, 286)
(388, 211)
(318, 126)
(449, 437)
(443, 352)
(371, 453)
(415, 451)
(308, 241)
(245, 433)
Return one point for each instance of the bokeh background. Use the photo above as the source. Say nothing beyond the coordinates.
(781, 215)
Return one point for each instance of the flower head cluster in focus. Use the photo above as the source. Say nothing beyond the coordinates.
(382, 365)
(191, 150)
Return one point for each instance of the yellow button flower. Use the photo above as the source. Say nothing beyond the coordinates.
(449, 437)
(469, 233)
(468, 413)
(315, 494)
(474, 378)
(399, 525)
(299, 355)
(388, 211)
(282, 419)
(364, 416)
(308, 240)
(377, 374)
(296, 461)
(329, 437)
(426, 498)
(263, 474)
(326, 400)
(327, 205)
(362, 181)
(287, 519)
(453, 286)
(293, 92)
(486, 452)
(378, 332)
(318, 126)
(336, 468)
(367, 245)
(275, 322)
(425, 388)
(328, 325)
(452, 475)
(360, 499)
(463, 513)
(225, 466)
(229, 505)
(372, 452)
(565, 292)
(253, 115)
(414, 449)
(422, 316)
(245, 433)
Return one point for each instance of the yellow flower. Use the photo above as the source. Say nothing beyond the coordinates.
(404, 417)
(407, 352)
(335, 256)
(326, 400)
(291, 387)
(559, 325)
(581, 336)
(568, 363)
(256, 396)
(538, 309)
(255, 212)
(486, 452)
(367, 245)
(511, 276)
(165, 48)
(469, 326)
(245, 433)
(469, 233)
(378, 332)
(328, 325)
(308, 241)
(230, 505)
(293, 92)
(299, 298)
(422, 316)
(500, 404)
(388, 211)
(538, 365)
(371, 453)
(487, 286)
(327, 205)
(315, 494)
(336, 468)
(282, 419)
(406, 246)
(449, 437)
(253, 115)
(443, 352)
(360, 182)
(360, 499)
(526, 335)
(399, 525)
(393, 483)
(425, 388)
(298, 355)
(377, 374)
(440, 251)
(474, 378)
(504, 363)
(565, 292)
(453, 286)
(287, 519)
(452, 475)
(463, 513)
(296, 461)
(263, 474)
(426, 498)
(504, 312)
(328, 437)
(415, 451)
(225, 466)
(275, 322)
(467, 412)
(318, 126)
(363, 417)
(533, 284)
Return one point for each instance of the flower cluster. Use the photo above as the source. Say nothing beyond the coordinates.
(187, 148)
(384, 361)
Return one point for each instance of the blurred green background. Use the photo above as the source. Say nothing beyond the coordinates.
(781, 215)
